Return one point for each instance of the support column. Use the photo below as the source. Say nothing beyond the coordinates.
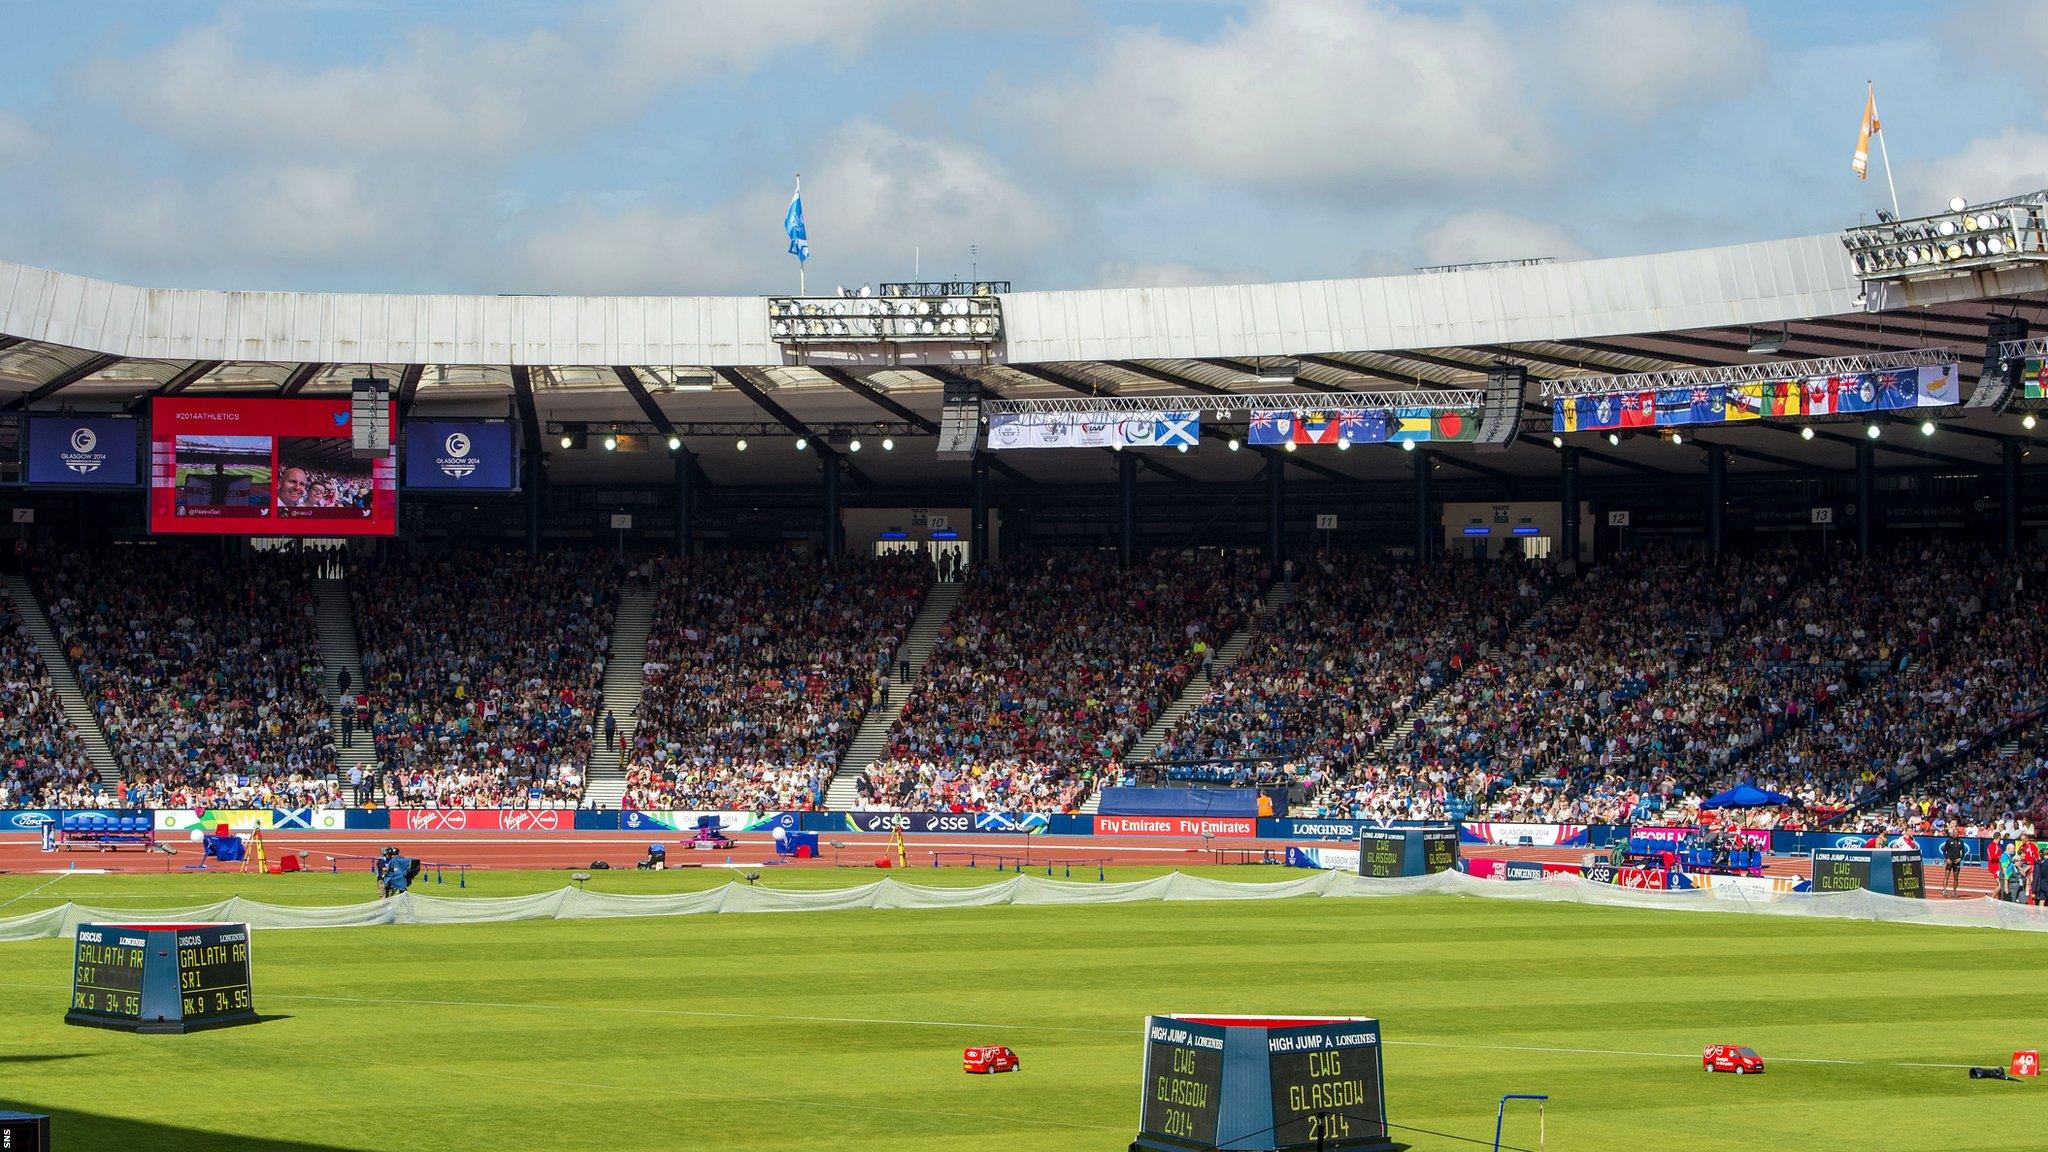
(2012, 495)
(1568, 504)
(684, 474)
(977, 536)
(1276, 511)
(833, 532)
(534, 481)
(1717, 485)
(1425, 517)
(1866, 456)
(1127, 509)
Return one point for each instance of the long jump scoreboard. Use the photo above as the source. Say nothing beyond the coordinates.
(161, 978)
(1893, 873)
(1390, 852)
(1262, 1083)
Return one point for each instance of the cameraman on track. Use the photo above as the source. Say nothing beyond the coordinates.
(395, 873)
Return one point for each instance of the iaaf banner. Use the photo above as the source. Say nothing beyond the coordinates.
(483, 819)
(469, 455)
(94, 450)
(1245, 827)
(252, 819)
(1095, 430)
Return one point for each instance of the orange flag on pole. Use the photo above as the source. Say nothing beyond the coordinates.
(1870, 128)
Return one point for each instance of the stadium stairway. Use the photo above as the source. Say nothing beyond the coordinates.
(64, 678)
(334, 615)
(1196, 690)
(873, 737)
(625, 684)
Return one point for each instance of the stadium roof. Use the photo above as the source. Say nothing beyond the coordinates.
(710, 366)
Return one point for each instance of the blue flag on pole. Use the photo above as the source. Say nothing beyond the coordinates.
(793, 223)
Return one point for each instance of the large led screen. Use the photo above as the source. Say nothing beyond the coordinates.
(229, 467)
(470, 455)
(95, 450)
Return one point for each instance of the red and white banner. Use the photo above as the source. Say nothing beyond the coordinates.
(1245, 827)
(483, 820)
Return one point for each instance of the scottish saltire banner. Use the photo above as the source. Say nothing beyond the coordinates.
(1888, 390)
(1095, 430)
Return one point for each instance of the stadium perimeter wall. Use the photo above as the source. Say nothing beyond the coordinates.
(1219, 830)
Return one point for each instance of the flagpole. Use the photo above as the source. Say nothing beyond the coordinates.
(800, 260)
(1885, 152)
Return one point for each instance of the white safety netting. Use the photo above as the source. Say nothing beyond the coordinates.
(577, 904)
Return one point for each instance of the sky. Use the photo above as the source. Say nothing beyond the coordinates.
(650, 146)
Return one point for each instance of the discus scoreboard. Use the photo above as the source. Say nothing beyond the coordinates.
(1891, 872)
(1389, 852)
(1262, 1083)
(161, 978)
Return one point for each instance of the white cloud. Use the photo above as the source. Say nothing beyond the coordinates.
(875, 194)
(1332, 94)
(1470, 237)
(452, 98)
(1631, 60)
(1987, 168)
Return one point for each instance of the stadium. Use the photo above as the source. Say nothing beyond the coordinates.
(1456, 706)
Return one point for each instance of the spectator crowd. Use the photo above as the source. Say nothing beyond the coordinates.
(484, 673)
(1050, 667)
(42, 762)
(759, 670)
(203, 666)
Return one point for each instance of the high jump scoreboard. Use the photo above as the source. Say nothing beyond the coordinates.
(1267, 1083)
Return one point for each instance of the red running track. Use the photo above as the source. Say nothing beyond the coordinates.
(568, 850)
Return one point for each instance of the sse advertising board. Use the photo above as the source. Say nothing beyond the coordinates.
(265, 468)
(463, 455)
(81, 450)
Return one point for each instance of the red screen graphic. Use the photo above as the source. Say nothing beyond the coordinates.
(265, 468)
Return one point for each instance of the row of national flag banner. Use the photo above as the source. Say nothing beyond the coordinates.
(1883, 391)
(2035, 383)
(1268, 427)
(1361, 426)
